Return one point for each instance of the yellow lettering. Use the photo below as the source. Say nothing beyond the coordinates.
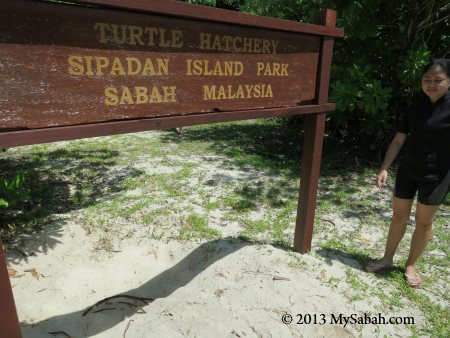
(155, 96)
(198, 70)
(169, 93)
(136, 35)
(177, 41)
(117, 67)
(189, 66)
(268, 70)
(260, 67)
(228, 65)
(240, 93)
(276, 69)
(139, 35)
(126, 96)
(163, 66)
(231, 95)
(75, 65)
(247, 45)
(249, 88)
(151, 31)
(272, 69)
(162, 41)
(228, 40)
(217, 69)
(206, 70)
(101, 63)
(209, 93)
(256, 45)
(111, 96)
(235, 44)
(148, 67)
(103, 27)
(274, 46)
(141, 95)
(239, 68)
(205, 41)
(231, 92)
(221, 95)
(217, 45)
(89, 60)
(259, 91)
(137, 66)
(119, 38)
(266, 46)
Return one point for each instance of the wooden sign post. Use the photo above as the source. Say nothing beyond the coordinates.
(115, 66)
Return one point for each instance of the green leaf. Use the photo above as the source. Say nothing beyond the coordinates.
(3, 203)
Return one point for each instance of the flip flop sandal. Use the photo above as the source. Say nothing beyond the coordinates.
(377, 266)
(413, 279)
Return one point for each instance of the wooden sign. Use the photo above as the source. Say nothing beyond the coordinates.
(65, 65)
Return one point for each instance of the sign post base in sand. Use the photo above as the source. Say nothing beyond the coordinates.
(9, 322)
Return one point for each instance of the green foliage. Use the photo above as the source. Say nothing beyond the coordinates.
(381, 60)
(227, 4)
(378, 64)
(12, 191)
(203, 2)
(410, 69)
(357, 91)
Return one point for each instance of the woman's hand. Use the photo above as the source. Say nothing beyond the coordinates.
(382, 179)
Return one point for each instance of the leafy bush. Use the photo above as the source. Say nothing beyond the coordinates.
(12, 192)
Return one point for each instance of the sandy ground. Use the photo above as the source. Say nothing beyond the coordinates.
(220, 288)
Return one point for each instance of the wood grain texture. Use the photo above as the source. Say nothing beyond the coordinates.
(40, 41)
(36, 136)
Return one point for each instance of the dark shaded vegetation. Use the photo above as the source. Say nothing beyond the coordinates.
(58, 181)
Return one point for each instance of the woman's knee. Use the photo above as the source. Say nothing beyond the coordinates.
(424, 224)
(425, 215)
(400, 217)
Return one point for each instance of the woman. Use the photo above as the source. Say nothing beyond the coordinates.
(425, 168)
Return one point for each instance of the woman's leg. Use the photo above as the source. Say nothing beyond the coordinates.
(402, 211)
(421, 236)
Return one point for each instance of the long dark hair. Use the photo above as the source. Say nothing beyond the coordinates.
(444, 63)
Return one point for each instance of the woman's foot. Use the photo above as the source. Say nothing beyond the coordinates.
(378, 266)
(412, 277)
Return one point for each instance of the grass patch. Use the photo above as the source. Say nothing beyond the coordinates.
(196, 226)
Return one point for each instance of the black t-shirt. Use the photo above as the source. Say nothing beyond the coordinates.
(427, 148)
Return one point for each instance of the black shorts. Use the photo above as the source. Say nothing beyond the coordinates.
(408, 182)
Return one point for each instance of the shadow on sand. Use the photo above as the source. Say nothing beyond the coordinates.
(98, 319)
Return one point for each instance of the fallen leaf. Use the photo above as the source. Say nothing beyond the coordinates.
(34, 273)
(11, 272)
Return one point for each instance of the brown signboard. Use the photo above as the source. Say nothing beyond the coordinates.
(70, 65)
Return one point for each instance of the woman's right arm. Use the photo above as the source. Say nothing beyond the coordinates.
(391, 154)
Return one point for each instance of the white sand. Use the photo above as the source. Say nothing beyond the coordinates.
(222, 288)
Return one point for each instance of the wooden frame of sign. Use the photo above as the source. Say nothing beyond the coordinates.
(116, 66)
